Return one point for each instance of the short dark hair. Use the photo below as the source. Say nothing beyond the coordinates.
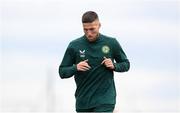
(89, 17)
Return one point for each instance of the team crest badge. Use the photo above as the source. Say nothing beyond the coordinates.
(105, 49)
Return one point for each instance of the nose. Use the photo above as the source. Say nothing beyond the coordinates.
(88, 32)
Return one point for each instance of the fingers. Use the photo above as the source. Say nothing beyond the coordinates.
(108, 63)
(83, 66)
(86, 64)
(85, 60)
(104, 60)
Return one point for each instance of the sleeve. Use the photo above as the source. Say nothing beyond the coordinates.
(67, 67)
(122, 64)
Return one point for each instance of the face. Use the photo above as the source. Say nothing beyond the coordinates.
(91, 30)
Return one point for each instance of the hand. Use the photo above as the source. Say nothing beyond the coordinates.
(83, 66)
(108, 63)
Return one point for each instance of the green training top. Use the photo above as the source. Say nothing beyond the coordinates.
(95, 86)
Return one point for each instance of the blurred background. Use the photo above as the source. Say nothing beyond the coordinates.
(34, 35)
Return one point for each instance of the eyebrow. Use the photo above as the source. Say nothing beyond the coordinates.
(89, 29)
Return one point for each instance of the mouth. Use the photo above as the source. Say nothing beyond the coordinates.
(90, 38)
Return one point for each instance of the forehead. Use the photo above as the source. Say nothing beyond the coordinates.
(93, 24)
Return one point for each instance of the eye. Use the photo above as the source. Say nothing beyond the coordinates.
(85, 29)
(91, 29)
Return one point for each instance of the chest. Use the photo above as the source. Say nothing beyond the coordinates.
(95, 53)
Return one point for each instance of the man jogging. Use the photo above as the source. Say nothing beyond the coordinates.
(92, 59)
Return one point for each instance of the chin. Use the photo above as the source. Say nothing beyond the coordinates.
(91, 39)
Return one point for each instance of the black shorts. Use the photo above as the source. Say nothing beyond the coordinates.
(101, 108)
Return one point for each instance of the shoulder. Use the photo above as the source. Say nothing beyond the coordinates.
(109, 39)
(76, 42)
(112, 42)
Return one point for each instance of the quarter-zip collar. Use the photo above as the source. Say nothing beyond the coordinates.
(97, 40)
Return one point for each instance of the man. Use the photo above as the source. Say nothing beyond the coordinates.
(92, 59)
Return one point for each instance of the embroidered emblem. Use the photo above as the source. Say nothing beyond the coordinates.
(105, 49)
(82, 53)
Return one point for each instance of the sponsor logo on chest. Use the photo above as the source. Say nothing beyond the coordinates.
(82, 53)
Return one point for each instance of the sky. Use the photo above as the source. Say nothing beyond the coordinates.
(36, 33)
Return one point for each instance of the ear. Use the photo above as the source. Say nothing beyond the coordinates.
(99, 25)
